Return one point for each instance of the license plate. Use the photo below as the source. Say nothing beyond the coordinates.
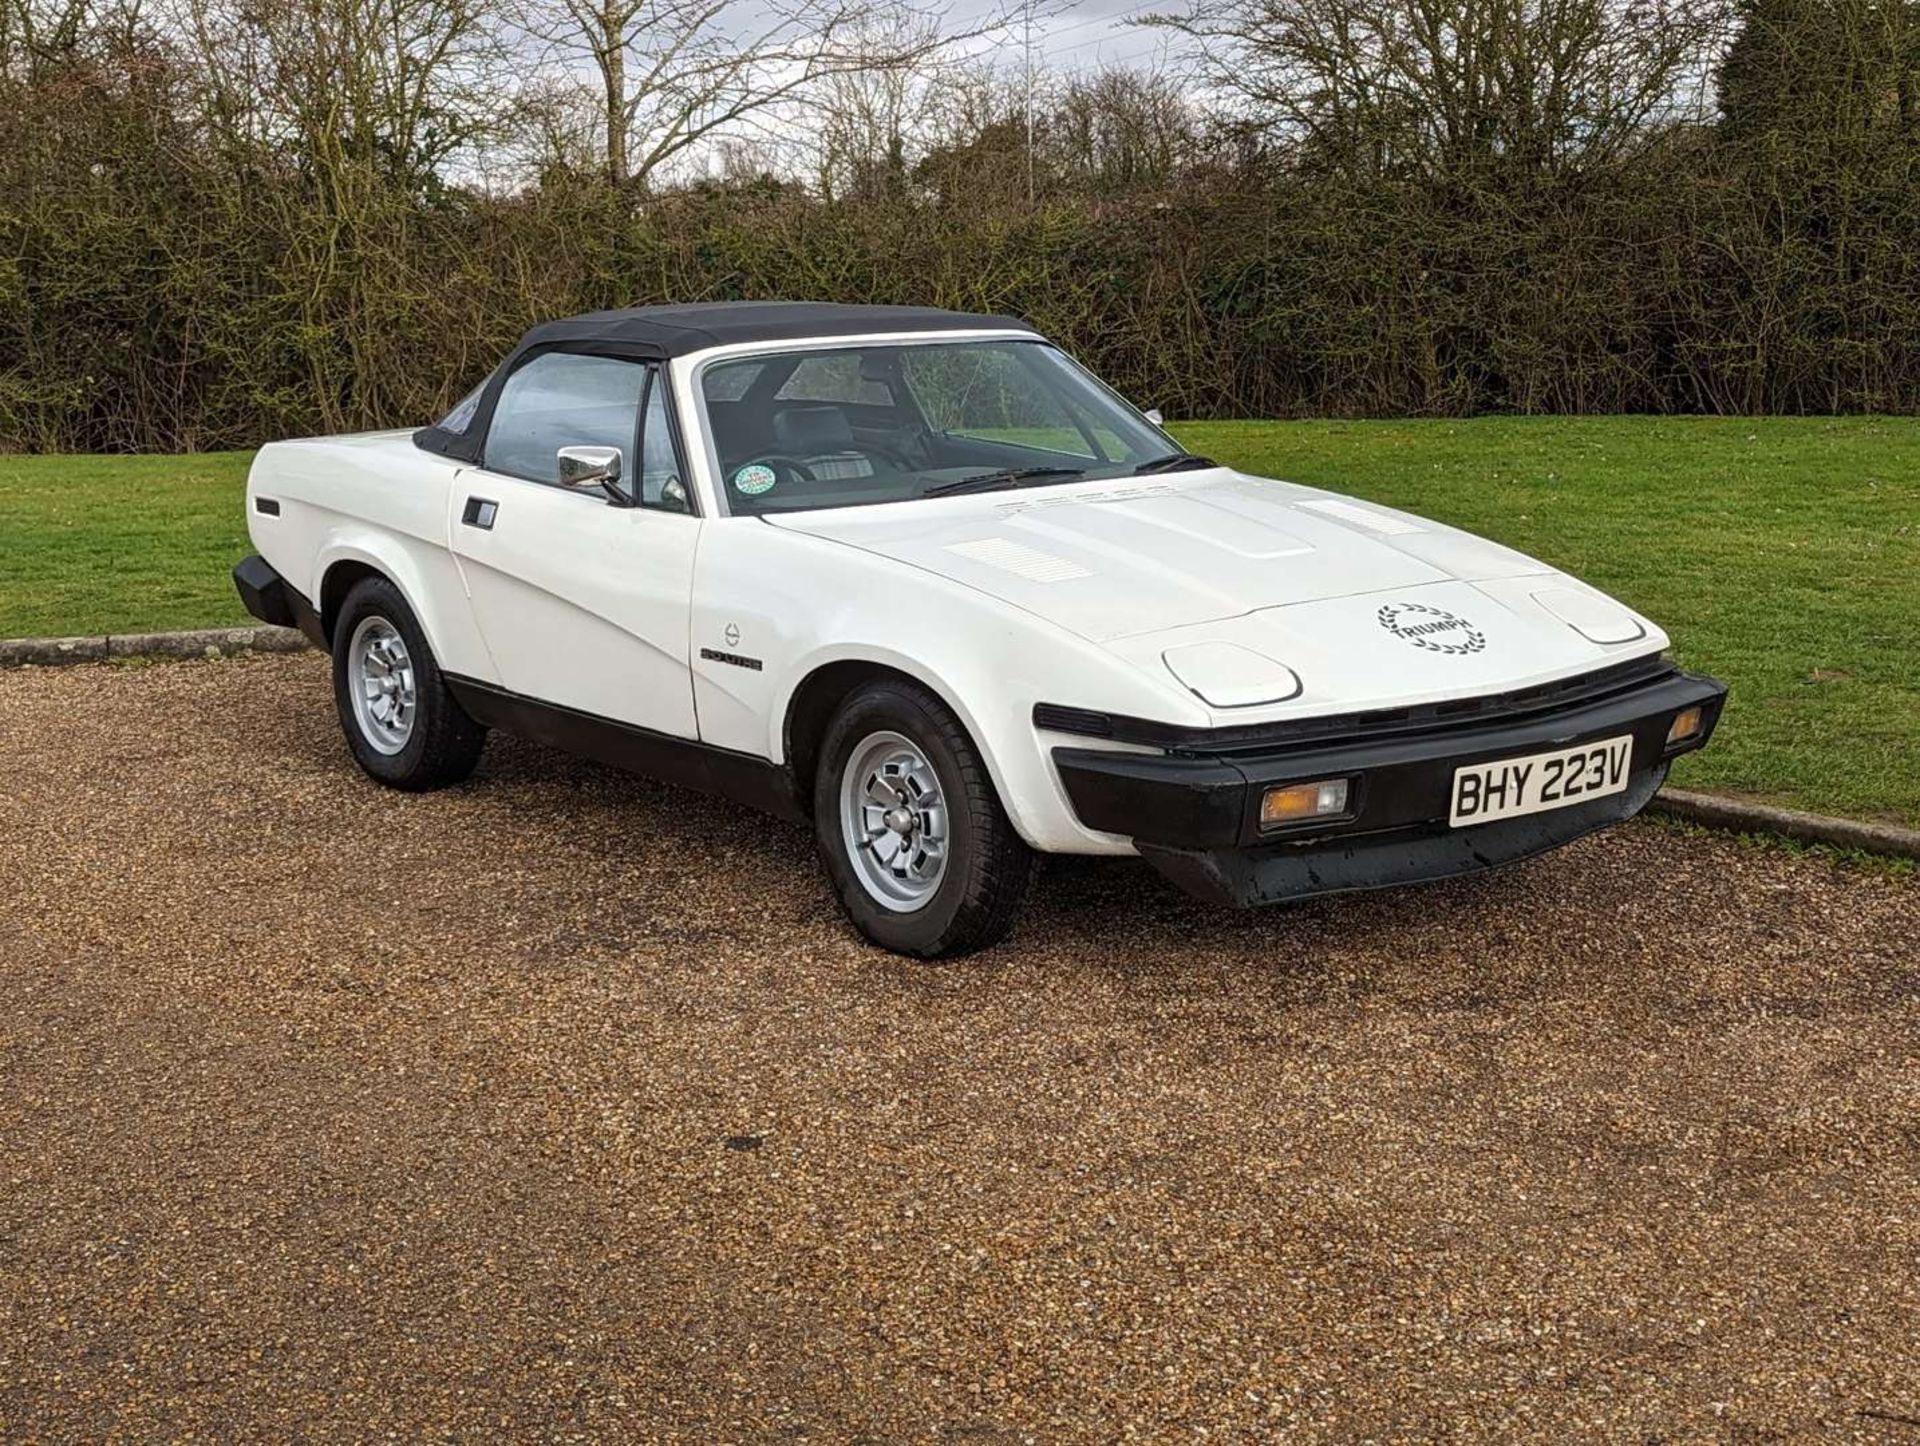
(1513, 786)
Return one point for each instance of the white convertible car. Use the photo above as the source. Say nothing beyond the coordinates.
(917, 577)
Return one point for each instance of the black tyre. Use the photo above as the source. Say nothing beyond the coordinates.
(910, 828)
(403, 725)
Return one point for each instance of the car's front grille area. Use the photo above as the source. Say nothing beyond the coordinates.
(1457, 715)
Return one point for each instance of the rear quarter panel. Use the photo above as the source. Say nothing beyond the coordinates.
(375, 499)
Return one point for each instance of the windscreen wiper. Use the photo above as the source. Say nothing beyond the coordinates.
(1012, 477)
(1174, 462)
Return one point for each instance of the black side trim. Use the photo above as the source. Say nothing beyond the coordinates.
(742, 777)
(263, 591)
(266, 506)
(272, 599)
(1371, 726)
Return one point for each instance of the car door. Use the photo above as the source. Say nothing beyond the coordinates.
(583, 602)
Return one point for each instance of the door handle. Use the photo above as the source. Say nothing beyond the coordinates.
(480, 512)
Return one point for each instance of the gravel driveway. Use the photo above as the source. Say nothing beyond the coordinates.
(563, 1105)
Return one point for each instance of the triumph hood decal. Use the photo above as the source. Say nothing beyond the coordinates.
(1432, 628)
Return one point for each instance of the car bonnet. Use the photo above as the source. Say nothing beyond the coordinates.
(1111, 560)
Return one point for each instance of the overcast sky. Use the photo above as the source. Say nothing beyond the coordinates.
(1073, 35)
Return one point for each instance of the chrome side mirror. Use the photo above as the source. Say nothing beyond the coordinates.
(588, 466)
(1153, 415)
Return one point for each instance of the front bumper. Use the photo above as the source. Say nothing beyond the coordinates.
(1194, 810)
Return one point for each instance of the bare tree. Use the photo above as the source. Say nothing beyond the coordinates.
(977, 141)
(32, 32)
(35, 34)
(869, 118)
(394, 86)
(1441, 85)
(673, 73)
(1122, 130)
(1838, 75)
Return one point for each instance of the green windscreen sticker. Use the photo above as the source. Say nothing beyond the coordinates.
(754, 479)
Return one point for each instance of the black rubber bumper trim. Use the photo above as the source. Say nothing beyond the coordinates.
(1186, 802)
(1246, 878)
(272, 599)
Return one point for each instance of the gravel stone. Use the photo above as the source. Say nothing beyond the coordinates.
(563, 1105)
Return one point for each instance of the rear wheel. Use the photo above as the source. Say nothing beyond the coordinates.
(910, 829)
(401, 722)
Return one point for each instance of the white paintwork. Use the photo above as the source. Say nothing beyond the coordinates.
(581, 604)
(1079, 594)
(374, 499)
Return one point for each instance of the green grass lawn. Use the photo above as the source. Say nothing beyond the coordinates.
(92, 545)
(1783, 555)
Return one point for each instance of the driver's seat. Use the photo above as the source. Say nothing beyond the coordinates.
(822, 437)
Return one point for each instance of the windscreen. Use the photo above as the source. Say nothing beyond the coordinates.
(843, 426)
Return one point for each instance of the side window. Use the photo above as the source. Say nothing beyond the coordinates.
(560, 400)
(662, 483)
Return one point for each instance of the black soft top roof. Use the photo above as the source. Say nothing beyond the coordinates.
(666, 331)
(659, 332)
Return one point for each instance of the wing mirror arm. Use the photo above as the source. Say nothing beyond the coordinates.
(577, 468)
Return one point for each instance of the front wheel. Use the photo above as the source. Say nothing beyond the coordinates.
(910, 829)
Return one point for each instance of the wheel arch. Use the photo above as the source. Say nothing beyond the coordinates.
(340, 579)
(814, 701)
(826, 685)
(1001, 730)
(347, 560)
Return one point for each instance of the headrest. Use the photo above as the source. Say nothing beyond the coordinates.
(812, 431)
